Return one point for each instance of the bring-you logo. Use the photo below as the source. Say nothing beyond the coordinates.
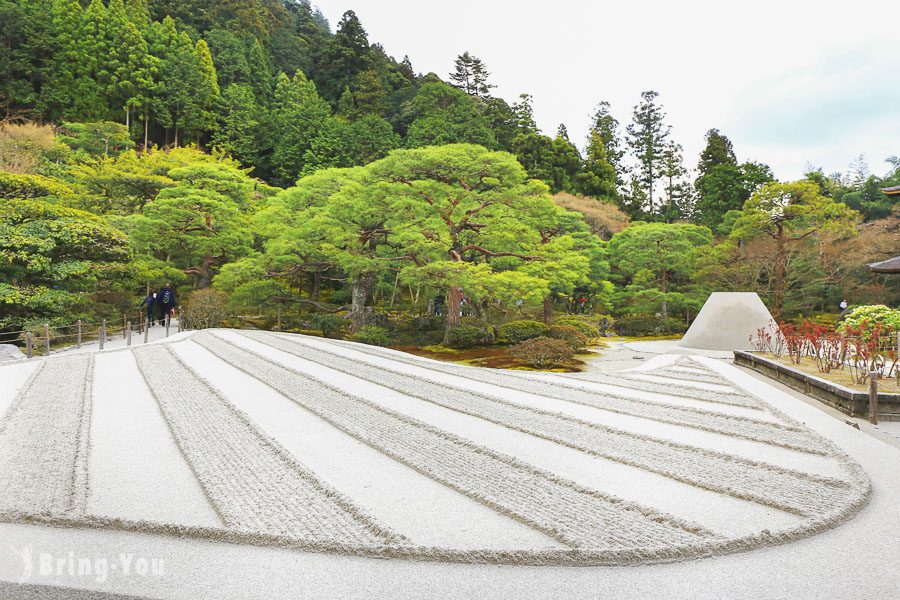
(81, 566)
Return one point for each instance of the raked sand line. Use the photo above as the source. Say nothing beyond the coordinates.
(44, 439)
(792, 491)
(757, 430)
(576, 516)
(618, 388)
(253, 483)
(426, 512)
(677, 390)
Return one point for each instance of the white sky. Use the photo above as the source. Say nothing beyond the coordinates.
(789, 81)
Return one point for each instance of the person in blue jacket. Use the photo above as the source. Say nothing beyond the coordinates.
(149, 304)
(166, 299)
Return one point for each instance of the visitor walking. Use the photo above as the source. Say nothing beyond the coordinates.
(149, 304)
(168, 302)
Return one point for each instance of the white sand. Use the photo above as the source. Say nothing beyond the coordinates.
(136, 470)
(450, 482)
(12, 377)
(419, 508)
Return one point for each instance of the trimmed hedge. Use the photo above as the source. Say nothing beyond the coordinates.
(542, 352)
(519, 331)
(647, 325)
(465, 336)
(586, 329)
(372, 335)
(569, 335)
(329, 325)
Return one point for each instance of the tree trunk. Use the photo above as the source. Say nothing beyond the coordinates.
(361, 288)
(780, 266)
(454, 299)
(176, 137)
(146, 131)
(664, 288)
(548, 309)
(315, 286)
(205, 276)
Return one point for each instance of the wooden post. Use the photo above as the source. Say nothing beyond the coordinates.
(168, 320)
(29, 345)
(146, 329)
(46, 339)
(128, 335)
(180, 321)
(124, 324)
(78, 334)
(102, 333)
(873, 397)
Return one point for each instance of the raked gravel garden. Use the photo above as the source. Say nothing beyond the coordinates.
(274, 442)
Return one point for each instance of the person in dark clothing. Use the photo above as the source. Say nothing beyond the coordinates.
(168, 302)
(149, 304)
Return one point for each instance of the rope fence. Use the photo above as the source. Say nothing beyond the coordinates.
(44, 339)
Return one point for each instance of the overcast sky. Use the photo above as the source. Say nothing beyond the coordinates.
(789, 81)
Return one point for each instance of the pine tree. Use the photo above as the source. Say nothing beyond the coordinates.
(368, 93)
(406, 69)
(471, 75)
(346, 55)
(647, 137)
(718, 151)
(260, 74)
(206, 92)
(69, 87)
(240, 129)
(562, 132)
(598, 177)
(524, 111)
(677, 190)
(298, 114)
(133, 71)
(175, 103)
(607, 126)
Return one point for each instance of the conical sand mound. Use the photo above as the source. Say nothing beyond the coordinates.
(727, 321)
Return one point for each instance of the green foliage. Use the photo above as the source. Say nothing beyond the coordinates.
(519, 331)
(205, 309)
(31, 186)
(465, 336)
(543, 352)
(329, 325)
(648, 325)
(372, 335)
(441, 114)
(580, 325)
(100, 139)
(570, 335)
(50, 256)
(889, 318)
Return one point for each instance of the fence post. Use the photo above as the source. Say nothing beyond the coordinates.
(78, 334)
(29, 345)
(873, 397)
(180, 321)
(124, 324)
(102, 333)
(46, 339)
(146, 329)
(128, 334)
(168, 320)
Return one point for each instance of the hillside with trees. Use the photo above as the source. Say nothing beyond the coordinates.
(301, 173)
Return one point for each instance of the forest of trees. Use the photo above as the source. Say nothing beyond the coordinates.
(247, 147)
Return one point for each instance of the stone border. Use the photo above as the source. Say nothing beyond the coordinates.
(846, 400)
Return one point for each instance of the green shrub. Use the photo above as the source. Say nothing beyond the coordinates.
(204, 309)
(21, 186)
(465, 336)
(889, 318)
(329, 325)
(586, 329)
(519, 331)
(542, 352)
(647, 325)
(372, 335)
(569, 335)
